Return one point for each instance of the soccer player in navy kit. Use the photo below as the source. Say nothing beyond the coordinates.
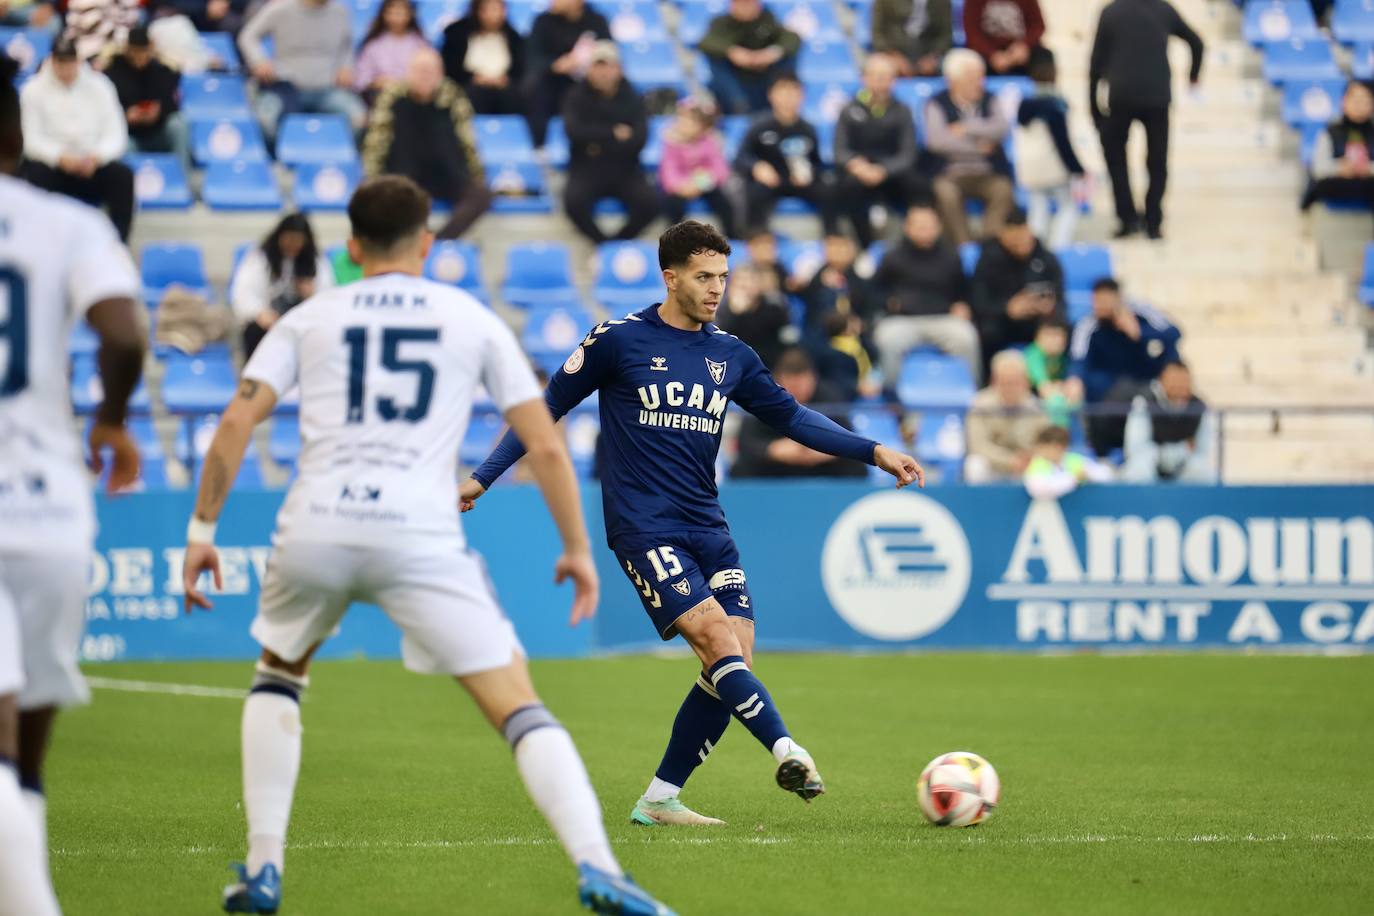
(665, 377)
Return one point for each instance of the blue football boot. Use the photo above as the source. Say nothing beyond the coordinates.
(258, 894)
(601, 892)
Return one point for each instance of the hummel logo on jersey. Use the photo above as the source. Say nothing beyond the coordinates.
(744, 601)
(683, 588)
(659, 364)
(717, 370)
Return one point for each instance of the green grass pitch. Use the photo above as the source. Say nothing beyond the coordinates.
(1140, 784)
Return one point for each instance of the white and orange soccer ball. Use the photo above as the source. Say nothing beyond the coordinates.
(958, 789)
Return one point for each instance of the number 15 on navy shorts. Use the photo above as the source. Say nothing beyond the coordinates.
(673, 573)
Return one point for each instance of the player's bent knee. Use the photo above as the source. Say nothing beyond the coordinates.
(527, 719)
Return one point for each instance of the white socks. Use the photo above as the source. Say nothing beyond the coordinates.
(784, 746)
(37, 803)
(271, 760)
(558, 783)
(25, 888)
(661, 791)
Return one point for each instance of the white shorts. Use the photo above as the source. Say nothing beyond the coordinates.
(443, 602)
(42, 618)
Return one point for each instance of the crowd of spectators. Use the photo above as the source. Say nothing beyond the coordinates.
(824, 328)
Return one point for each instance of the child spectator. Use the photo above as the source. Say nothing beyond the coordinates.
(386, 49)
(1046, 166)
(842, 362)
(1054, 471)
(1048, 367)
(694, 164)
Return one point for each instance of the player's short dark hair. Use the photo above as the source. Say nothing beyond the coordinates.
(793, 361)
(386, 211)
(11, 130)
(687, 238)
(1106, 284)
(1053, 435)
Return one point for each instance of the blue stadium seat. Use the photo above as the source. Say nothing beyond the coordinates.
(315, 139)
(652, 64)
(916, 92)
(941, 444)
(1367, 277)
(863, 26)
(213, 95)
(694, 19)
(87, 390)
(823, 102)
(627, 276)
(633, 20)
(163, 264)
(582, 429)
(159, 181)
(539, 274)
(1084, 264)
(826, 63)
(1312, 102)
(1299, 60)
(1353, 21)
(555, 331)
(813, 20)
(503, 138)
(325, 187)
(825, 137)
(199, 383)
(801, 259)
(434, 17)
(652, 154)
(83, 340)
(226, 140)
(191, 446)
(1278, 20)
(520, 14)
(284, 440)
(27, 47)
(519, 188)
(220, 45)
(241, 186)
(457, 264)
(1362, 61)
(732, 130)
(483, 431)
(931, 380)
(556, 152)
(969, 253)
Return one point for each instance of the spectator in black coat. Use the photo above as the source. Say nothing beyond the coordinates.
(559, 54)
(1131, 55)
(1341, 167)
(780, 156)
(837, 287)
(486, 57)
(150, 94)
(875, 150)
(207, 15)
(607, 127)
(765, 452)
(1017, 284)
(925, 292)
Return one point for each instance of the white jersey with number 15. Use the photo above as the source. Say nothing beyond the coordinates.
(387, 369)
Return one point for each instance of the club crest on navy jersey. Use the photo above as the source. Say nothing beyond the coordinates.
(683, 588)
(717, 370)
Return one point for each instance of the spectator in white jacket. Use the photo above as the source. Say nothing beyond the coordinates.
(282, 272)
(74, 134)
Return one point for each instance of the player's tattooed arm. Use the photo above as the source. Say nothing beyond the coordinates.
(248, 389)
(251, 406)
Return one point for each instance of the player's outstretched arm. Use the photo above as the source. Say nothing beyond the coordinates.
(122, 344)
(252, 405)
(902, 466)
(548, 459)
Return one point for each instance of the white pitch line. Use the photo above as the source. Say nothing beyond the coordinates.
(986, 838)
(180, 690)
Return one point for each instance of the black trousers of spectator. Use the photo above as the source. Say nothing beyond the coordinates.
(469, 203)
(759, 201)
(675, 208)
(1341, 190)
(594, 182)
(856, 199)
(489, 101)
(1114, 129)
(544, 94)
(111, 186)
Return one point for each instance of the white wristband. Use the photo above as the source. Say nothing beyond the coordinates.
(200, 532)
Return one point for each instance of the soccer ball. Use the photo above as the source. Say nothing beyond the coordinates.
(958, 789)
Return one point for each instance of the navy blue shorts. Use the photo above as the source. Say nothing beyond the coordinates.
(673, 573)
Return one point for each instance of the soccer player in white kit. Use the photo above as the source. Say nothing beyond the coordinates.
(388, 369)
(60, 262)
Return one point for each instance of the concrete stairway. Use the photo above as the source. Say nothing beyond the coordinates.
(1264, 326)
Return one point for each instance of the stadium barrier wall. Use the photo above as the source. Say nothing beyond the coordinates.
(841, 566)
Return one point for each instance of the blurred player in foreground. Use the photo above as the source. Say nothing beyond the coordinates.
(665, 376)
(388, 368)
(60, 262)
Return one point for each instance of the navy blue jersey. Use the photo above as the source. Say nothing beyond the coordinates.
(663, 396)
